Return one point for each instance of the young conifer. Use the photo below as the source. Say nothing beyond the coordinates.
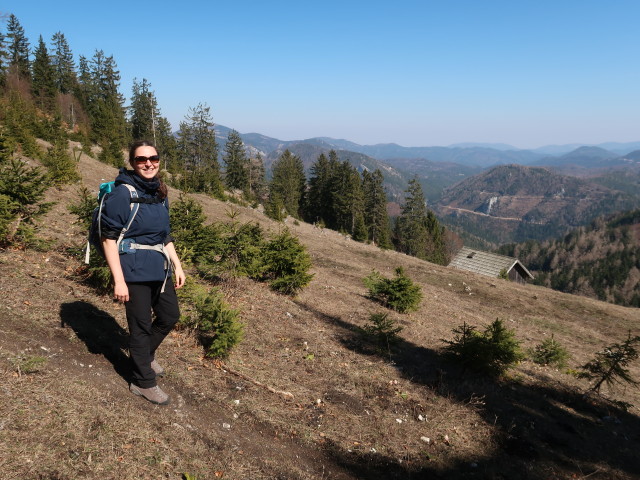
(610, 366)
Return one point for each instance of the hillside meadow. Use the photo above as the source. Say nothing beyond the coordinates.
(304, 396)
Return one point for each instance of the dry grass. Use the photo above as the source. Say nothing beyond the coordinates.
(354, 414)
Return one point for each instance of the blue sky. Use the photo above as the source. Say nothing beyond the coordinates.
(418, 73)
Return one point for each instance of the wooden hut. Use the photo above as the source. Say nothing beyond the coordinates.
(490, 264)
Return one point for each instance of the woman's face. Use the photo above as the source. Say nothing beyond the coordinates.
(146, 162)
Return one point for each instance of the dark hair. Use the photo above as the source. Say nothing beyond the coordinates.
(162, 189)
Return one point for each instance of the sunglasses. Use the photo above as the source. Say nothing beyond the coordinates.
(152, 159)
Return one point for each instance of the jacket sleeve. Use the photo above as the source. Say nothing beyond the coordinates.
(115, 212)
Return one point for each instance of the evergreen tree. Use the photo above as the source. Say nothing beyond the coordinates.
(319, 195)
(257, 181)
(20, 120)
(22, 190)
(166, 144)
(237, 163)
(61, 166)
(63, 65)
(4, 60)
(43, 78)
(375, 209)
(417, 229)
(143, 111)
(198, 152)
(288, 183)
(84, 88)
(105, 106)
(348, 201)
(18, 46)
(286, 264)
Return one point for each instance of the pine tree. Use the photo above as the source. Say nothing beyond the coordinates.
(257, 181)
(61, 166)
(198, 152)
(348, 201)
(85, 89)
(319, 195)
(22, 190)
(417, 229)
(18, 46)
(237, 163)
(105, 106)
(63, 65)
(143, 111)
(286, 264)
(610, 365)
(43, 78)
(166, 144)
(375, 209)
(288, 183)
(4, 60)
(20, 122)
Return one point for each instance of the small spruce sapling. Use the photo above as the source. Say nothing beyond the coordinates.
(286, 264)
(217, 324)
(550, 352)
(383, 331)
(610, 365)
(492, 351)
(398, 293)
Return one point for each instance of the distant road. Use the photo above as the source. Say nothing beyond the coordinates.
(514, 219)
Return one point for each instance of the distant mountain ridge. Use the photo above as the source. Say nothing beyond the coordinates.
(515, 203)
(493, 193)
(477, 155)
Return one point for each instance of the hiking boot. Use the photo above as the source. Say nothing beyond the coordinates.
(153, 394)
(158, 370)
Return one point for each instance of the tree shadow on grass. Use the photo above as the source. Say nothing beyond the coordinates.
(100, 332)
(544, 431)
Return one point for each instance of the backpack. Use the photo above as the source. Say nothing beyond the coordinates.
(95, 230)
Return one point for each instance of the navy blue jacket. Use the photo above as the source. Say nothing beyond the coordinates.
(150, 226)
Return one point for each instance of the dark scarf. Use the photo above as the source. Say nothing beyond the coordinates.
(150, 187)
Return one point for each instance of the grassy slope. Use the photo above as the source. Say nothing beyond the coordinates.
(353, 415)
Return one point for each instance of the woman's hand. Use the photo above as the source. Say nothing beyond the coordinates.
(177, 266)
(121, 292)
(180, 276)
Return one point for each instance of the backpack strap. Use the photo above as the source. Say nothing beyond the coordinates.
(106, 188)
(134, 211)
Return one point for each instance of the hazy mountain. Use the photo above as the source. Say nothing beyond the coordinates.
(472, 156)
(433, 176)
(632, 156)
(495, 146)
(615, 147)
(441, 167)
(516, 203)
(585, 157)
(475, 156)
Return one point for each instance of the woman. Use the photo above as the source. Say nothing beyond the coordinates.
(141, 265)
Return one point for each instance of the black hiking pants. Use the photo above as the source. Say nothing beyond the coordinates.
(145, 332)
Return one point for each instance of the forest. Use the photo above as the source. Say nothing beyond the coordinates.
(46, 95)
(601, 260)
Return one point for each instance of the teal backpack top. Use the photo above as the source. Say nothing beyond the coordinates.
(95, 231)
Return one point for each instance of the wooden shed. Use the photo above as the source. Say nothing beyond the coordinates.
(490, 264)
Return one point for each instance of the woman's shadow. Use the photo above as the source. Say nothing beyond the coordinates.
(100, 332)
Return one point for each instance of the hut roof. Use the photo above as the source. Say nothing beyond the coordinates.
(485, 263)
